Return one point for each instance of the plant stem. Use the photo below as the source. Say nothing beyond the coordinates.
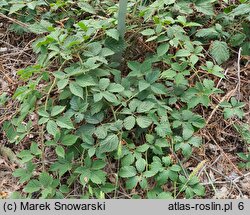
(122, 18)
(121, 27)
(45, 108)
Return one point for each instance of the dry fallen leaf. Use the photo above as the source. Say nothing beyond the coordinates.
(245, 184)
(221, 194)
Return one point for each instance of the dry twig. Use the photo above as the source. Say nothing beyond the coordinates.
(225, 155)
(238, 73)
(14, 20)
(226, 97)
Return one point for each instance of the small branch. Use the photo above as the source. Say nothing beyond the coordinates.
(225, 155)
(14, 20)
(227, 96)
(241, 177)
(5, 75)
(226, 177)
(225, 73)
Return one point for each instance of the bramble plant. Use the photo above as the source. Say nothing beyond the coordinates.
(107, 126)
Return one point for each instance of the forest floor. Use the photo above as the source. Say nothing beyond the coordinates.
(221, 142)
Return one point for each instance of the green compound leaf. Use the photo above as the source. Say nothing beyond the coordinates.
(127, 172)
(98, 177)
(51, 127)
(76, 89)
(143, 121)
(129, 122)
(113, 33)
(69, 140)
(57, 110)
(109, 144)
(60, 151)
(219, 51)
(140, 164)
(32, 186)
(64, 122)
(145, 106)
